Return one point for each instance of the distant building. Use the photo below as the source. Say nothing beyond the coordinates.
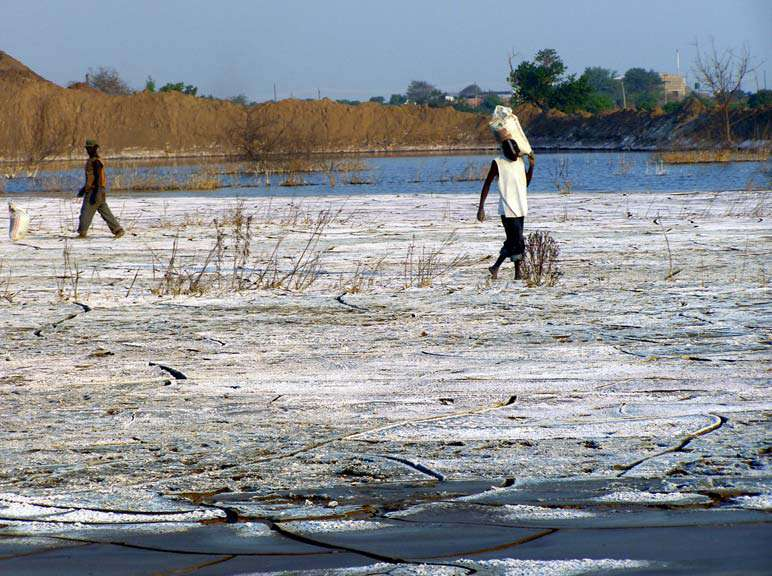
(675, 87)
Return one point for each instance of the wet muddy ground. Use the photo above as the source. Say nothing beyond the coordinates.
(388, 409)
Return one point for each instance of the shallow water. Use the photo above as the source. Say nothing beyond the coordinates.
(444, 174)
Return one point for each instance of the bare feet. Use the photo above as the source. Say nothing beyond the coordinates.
(119, 233)
(494, 272)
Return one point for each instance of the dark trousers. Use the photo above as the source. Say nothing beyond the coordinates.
(87, 211)
(514, 245)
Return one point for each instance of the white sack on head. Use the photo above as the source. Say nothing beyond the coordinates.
(506, 126)
(18, 221)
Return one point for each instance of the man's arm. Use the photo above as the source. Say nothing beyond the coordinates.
(492, 173)
(531, 163)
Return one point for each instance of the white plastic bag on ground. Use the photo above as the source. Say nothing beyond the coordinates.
(18, 221)
(506, 126)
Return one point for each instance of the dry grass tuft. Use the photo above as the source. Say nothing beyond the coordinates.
(135, 181)
(363, 278)
(421, 268)
(229, 265)
(563, 183)
(5, 284)
(712, 156)
(472, 172)
(68, 282)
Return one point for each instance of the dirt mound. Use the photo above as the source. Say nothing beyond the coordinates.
(82, 86)
(12, 69)
(313, 125)
(39, 119)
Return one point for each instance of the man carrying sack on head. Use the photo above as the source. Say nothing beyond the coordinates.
(95, 194)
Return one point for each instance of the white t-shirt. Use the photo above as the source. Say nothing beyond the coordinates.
(513, 187)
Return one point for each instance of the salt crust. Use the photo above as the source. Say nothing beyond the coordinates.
(507, 567)
(643, 497)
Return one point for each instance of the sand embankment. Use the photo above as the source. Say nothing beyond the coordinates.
(40, 120)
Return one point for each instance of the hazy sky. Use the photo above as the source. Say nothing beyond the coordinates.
(361, 48)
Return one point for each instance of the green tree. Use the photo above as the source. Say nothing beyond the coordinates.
(422, 92)
(760, 99)
(572, 94)
(462, 106)
(489, 103)
(378, 99)
(645, 88)
(603, 83)
(240, 99)
(149, 84)
(601, 80)
(673, 107)
(598, 102)
(397, 100)
(535, 81)
(188, 89)
(543, 82)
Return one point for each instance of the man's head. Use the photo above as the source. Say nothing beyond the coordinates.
(92, 147)
(510, 149)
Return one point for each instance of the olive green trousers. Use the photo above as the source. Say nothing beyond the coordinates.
(87, 211)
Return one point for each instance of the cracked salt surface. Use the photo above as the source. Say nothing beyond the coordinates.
(314, 526)
(761, 502)
(636, 497)
(511, 567)
(507, 567)
(514, 511)
(63, 515)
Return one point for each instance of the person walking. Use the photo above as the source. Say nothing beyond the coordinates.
(94, 193)
(513, 202)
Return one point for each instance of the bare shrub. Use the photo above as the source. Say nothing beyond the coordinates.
(259, 134)
(723, 74)
(241, 249)
(107, 80)
(540, 261)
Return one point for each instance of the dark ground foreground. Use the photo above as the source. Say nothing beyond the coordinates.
(534, 527)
